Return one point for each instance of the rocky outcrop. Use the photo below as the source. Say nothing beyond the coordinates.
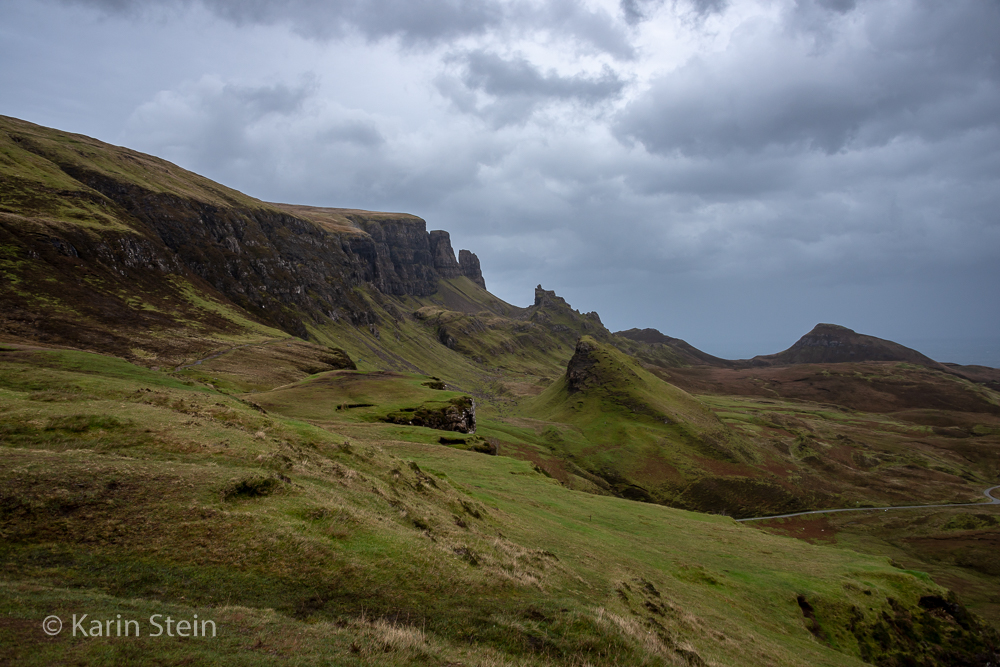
(397, 255)
(458, 414)
(548, 299)
(469, 265)
(444, 259)
(444, 256)
(580, 370)
(562, 320)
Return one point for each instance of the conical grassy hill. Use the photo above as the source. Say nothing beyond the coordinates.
(645, 438)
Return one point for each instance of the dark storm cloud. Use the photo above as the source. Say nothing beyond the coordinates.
(354, 132)
(930, 73)
(213, 123)
(703, 7)
(517, 87)
(257, 101)
(517, 76)
(637, 11)
(841, 6)
(415, 22)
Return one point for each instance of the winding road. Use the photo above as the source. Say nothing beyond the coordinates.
(993, 500)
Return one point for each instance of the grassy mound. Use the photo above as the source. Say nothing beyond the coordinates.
(645, 438)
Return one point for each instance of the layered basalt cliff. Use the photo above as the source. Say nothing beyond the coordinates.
(469, 264)
(444, 259)
(126, 216)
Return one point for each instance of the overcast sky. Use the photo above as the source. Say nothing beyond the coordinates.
(731, 172)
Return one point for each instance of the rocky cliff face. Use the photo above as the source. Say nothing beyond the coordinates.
(444, 256)
(444, 259)
(284, 265)
(469, 264)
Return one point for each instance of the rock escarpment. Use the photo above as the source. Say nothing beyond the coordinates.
(131, 221)
(554, 313)
(444, 259)
(468, 262)
(443, 254)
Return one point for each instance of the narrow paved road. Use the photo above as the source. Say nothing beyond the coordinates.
(988, 493)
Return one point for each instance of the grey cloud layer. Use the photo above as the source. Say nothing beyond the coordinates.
(416, 22)
(799, 147)
(930, 73)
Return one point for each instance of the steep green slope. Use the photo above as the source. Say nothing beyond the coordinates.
(622, 428)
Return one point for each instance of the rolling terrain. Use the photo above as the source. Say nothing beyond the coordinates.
(317, 428)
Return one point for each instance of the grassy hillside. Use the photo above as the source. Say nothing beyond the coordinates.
(129, 491)
(643, 437)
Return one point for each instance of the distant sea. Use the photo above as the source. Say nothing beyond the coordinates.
(977, 352)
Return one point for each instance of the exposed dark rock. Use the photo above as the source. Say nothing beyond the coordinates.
(458, 414)
(553, 313)
(443, 254)
(579, 370)
(397, 254)
(548, 299)
(469, 264)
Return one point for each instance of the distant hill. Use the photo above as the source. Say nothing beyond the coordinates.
(831, 344)
(655, 348)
